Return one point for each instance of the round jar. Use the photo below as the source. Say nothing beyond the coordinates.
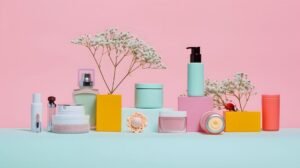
(70, 119)
(172, 122)
(148, 96)
(212, 123)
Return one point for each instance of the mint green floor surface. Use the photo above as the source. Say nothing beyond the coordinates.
(20, 148)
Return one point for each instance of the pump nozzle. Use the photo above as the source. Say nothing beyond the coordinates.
(195, 54)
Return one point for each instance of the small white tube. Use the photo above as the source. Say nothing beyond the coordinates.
(36, 113)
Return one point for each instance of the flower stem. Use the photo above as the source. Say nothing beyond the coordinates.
(127, 74)
(114, 75)
(99, 67)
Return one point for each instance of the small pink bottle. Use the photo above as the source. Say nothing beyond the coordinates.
(51, 111)
(270, 112)
(212, 123)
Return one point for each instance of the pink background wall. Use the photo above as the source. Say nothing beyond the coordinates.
(260, 38)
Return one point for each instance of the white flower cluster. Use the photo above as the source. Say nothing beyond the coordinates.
(120, 42)
(225, 91)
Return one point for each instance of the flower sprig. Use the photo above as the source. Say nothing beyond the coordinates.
(118, 46)
(237, 90)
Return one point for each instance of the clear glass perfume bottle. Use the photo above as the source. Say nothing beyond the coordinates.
(86, 95)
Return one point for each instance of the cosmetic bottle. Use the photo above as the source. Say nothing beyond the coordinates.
(195, 73)
(270, 112)
(86, 95)
(51, 111)
(36, 113)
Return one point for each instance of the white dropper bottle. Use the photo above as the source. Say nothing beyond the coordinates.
(36, 113)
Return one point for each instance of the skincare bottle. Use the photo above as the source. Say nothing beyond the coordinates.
(195, 73)
(51, 111)
(271, 112)
(86, 95)
(36, 113)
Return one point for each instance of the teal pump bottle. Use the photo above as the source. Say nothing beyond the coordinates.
(195, 73)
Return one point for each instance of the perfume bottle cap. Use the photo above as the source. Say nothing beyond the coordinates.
(51, 100)
(87, 80)
(195, 54)
(36, 98)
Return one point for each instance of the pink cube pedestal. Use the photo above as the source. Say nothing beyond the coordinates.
(195, 107)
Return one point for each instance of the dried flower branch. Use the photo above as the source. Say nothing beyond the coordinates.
(238, 89)
(118, 46)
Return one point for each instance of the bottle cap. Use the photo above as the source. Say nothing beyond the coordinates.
(271, 96)
(51, 100)
(86, 78)
(36, 98)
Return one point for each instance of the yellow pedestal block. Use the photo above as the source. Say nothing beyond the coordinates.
(237, 121)
(108, 113)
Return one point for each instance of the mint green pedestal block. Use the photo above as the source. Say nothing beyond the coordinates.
(151, 114)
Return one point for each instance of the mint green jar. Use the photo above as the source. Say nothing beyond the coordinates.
(148, 96)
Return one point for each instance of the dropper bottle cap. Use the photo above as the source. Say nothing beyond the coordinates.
(195, 54)
(51, 100)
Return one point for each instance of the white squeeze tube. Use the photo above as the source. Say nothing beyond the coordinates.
(36, 113)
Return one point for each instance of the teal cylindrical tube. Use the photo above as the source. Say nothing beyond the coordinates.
(195, 79)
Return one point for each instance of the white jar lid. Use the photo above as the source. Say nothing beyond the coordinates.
(70, 119)
(172, 114)
(72, 109)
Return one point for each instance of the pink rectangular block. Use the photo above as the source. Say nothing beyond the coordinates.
(195, 107)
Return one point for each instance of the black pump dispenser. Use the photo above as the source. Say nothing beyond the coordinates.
(195, 54)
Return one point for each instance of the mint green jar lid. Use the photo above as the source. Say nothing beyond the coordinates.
(148, 86)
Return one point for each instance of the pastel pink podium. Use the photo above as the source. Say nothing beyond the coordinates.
(195, 107)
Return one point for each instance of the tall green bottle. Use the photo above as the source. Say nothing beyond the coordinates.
(86, 95)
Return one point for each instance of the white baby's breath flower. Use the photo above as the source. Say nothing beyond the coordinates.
(112, 40)
(239, 88)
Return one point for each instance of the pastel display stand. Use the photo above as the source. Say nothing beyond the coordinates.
(21, 148)
(151, 114)
(108, 113)
(195, 107)
(242, 121)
